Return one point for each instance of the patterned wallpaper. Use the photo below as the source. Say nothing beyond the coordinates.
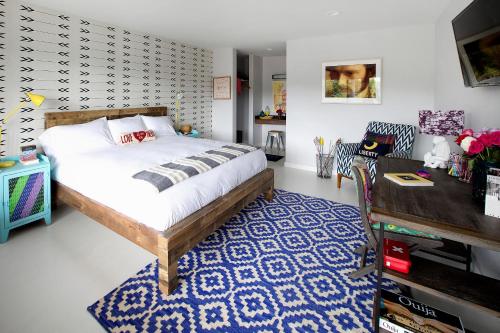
(79, 64)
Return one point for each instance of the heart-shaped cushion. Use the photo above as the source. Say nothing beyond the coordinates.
(139, 135)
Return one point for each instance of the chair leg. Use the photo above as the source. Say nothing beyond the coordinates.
(267, 142)
(339, 180)
(363, 270)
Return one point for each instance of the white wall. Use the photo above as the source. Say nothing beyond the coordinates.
(81, 64)
(224, 111)
(481, 105)
(270, 66)
(407, 86)
(255, 96)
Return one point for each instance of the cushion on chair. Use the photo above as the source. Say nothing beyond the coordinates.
(367, 188)
(373, 149)
(388, 139)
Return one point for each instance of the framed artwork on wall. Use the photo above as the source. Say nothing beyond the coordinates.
(352, 82)
(222, 87)
(279, 92)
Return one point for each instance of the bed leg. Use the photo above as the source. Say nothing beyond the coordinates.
(167, 268)
(268, 195)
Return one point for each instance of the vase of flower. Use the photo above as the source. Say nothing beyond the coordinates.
(484, 149)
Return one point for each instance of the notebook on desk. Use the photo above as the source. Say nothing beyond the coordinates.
(408, 179)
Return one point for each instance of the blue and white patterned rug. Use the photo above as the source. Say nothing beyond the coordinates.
(275, 267)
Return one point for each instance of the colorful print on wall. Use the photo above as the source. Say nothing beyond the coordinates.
(352, 82)
(80, 64)
(279, 92)
(441, 122)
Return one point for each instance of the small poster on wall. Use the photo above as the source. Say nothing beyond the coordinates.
(279, 92)
(222, 87)
(352, 82)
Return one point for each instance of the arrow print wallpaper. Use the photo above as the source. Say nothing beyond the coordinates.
(79, 64)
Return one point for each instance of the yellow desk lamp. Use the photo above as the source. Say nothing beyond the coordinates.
(37, 100)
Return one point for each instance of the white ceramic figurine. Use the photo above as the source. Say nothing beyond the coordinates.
(440, 154)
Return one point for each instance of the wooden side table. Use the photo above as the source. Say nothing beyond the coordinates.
(25, 195)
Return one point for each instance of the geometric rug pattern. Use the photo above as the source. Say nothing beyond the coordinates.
(274, 267)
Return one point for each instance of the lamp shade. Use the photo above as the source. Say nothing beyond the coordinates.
(441, 122)
(37, 100)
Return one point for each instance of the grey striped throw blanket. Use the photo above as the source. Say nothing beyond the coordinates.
(166, 175)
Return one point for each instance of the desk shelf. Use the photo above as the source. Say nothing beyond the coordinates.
(450, 283)
(275, 120)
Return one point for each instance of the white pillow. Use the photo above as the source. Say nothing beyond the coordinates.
(74, 139)
(117, 127)
(160, 125)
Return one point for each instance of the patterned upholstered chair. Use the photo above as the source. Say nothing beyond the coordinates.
(403, 146)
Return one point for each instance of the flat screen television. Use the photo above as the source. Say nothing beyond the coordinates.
(477, 33)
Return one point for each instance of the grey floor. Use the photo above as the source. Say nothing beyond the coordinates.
(50, 274)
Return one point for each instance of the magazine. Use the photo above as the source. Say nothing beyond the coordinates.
(492, 200)
(401, 314)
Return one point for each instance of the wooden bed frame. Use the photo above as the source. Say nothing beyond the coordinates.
(171, 244)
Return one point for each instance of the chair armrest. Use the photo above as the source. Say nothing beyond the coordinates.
(346, 149)
(400, 154)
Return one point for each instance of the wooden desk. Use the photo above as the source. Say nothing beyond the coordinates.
(445, 210)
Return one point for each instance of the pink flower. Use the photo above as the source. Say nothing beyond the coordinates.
(466, 142)
(468, 132)
(495, 138)
(460, 138)
(486, 139)
(476, 147)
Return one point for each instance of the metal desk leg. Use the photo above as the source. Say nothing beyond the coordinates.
(380, 267)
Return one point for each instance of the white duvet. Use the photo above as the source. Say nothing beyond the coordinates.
(106, 176)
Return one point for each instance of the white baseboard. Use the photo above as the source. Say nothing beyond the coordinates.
(300, 166)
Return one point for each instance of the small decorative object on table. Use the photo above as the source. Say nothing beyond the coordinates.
(185, 129)
(439, 124)
(192, 134)
(483, 148)
(28, 155)
(26, 191)
(324, 162)
(423, 173)
(454, 165)
(396, 256)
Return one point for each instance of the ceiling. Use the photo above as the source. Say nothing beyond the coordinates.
(250, 25)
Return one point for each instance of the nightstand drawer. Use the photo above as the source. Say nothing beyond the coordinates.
(25, 196)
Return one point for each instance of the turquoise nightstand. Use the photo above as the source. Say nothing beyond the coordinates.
(25, 194)
(193, 134)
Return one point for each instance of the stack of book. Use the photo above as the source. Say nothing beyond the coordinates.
(28, 155)
(401, 314)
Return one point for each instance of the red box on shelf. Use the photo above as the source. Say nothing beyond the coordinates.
(396, 256)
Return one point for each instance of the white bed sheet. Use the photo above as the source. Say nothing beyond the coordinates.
(106, 176)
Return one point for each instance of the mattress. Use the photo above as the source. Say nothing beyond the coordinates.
(106, 177)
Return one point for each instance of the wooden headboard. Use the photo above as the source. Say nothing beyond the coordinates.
(80, 117)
